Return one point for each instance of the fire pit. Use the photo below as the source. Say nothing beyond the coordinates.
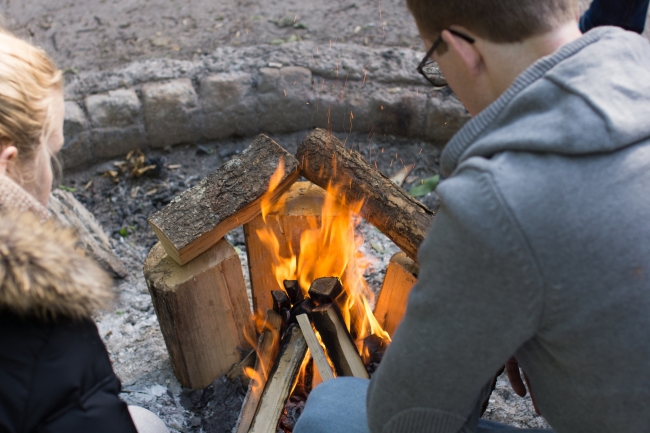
(312, 318)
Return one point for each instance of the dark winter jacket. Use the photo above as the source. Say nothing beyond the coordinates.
(55, 374)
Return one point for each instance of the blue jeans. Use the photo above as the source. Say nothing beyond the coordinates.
(628, 14)
(339, 406)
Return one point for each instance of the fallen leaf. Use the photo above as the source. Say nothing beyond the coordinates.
(425, 187)
(67, 188)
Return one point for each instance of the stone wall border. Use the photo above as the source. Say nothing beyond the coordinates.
(246, 91)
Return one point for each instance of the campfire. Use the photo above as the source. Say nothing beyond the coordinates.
(313, 318)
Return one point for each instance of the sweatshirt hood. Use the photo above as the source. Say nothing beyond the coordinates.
(42, 272)
(590, 96)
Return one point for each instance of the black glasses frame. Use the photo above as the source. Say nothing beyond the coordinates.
(427, 58)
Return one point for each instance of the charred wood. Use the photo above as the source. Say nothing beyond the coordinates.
(293, 289)
(325, 290)
(338, 342)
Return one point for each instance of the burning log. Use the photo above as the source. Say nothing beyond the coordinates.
(325, 290)
(316, 350)
(227, 198)
(303, 307)
(282, 379)
(281, 302)
(401, 275)
(293, 289)
(267, 350)
(324, 160)
(298, 210)
(203, 311)
(338, 342)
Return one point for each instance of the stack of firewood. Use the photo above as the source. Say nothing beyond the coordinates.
(196, 281)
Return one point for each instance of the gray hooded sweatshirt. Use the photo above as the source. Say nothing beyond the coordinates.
(541, 249)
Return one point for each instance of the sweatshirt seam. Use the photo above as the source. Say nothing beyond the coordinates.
(523, 238)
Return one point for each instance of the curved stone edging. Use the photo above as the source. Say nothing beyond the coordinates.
(242, 92)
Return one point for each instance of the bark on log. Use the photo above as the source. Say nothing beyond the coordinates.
(317, 353)
(338, 342)
(67, 210)
(268, 347)
(203, 311)
(401, 275)
(225, 199)
(299, 209)
(324, 160)
(282, 379)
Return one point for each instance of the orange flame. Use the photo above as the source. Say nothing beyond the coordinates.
(328, 247)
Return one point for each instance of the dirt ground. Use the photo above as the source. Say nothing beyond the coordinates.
(83, 35)
(100, 34)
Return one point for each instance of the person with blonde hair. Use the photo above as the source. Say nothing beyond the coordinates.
(55, 373)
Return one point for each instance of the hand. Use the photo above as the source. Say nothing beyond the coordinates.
(518, 385)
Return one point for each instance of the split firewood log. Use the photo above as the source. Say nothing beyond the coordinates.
(324, 160)
(224, 200)
(268, 347)
(316, 350)
(339, 344)
(281, 381)
(401, 276)
(203, 311)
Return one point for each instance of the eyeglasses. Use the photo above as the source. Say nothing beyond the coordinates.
(430, 69)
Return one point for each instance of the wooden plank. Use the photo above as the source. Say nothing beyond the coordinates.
(316, 350)
(282, 380)
(401, 276)
(324, 160)
(299, 209)
(224, 200)
(268, 347)
(203, 311)
(338, 342)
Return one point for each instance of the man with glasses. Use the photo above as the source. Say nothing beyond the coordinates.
(539, 255)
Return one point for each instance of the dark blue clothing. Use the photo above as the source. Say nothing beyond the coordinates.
(56, 377)
(628, 14)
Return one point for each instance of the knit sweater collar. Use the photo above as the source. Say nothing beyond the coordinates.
(14, 198)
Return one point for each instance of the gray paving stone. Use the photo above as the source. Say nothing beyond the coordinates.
(229, 105)
(117, 108)
(76, 151)
(170, 112)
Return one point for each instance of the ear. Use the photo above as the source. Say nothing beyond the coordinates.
(7, 155)
(467, 52)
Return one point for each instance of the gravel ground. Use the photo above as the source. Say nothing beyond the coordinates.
(130, 330)
(96, 35)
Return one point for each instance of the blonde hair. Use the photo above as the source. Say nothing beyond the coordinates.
(28, 81)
